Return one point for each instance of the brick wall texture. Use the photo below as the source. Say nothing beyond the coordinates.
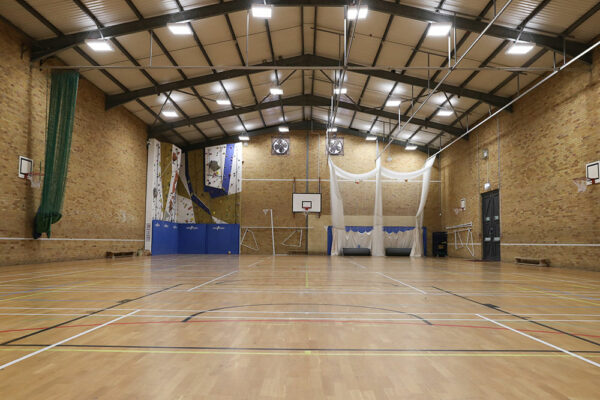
(107, 169)
(535, 152)
(399, 199)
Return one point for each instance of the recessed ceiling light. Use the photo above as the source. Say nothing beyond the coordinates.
(180, 28)
(99, 44)
(334, 129)
(244, 138)
(276, 91)
(261, 11)
(360, 13)
(340, 90)
(443, 112)
(393, 103)
(223, 102)
(170, 114)
(439, 29)
(410, 147)
(371, 138)
(518, 48)
(284, 129)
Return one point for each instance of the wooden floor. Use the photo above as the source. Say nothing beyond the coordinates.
(228, 327)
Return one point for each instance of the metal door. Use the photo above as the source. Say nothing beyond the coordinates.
(490, 215)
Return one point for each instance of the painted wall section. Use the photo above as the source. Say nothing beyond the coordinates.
(107, 169)
(535, 152)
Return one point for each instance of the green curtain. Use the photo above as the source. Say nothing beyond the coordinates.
(61, 114)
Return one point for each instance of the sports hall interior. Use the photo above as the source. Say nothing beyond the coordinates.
(171, 220)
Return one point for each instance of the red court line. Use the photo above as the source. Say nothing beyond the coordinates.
(216, 320)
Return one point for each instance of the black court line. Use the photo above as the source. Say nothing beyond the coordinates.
(493, 307)
(306, 349)
(119, 303)
(305, 304)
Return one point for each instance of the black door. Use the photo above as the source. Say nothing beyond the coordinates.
(490, 214)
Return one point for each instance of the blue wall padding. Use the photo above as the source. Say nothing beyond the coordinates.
(173, 238)
(165, 237)
(192, 239)
(222, 239)
(389, 229)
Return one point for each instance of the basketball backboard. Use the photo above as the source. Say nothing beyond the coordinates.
(306, 202)
(592, 172)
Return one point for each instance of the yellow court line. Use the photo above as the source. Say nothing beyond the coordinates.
(302, 353)
(559, 296)
(47, 291)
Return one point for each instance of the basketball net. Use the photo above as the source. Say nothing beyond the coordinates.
(34, 179)
(581, 184)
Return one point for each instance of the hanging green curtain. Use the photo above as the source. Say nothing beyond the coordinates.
(61, 114)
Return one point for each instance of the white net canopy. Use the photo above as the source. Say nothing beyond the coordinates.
(376, 240)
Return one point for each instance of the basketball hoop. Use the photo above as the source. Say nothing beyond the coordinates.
(34, 179)
(306, 208)
(581, 184)
(458, 210)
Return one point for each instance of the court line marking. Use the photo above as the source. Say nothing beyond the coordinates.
(46, 292)
(8, 364)
(216, 279)
(541, 341)
(382, 274)
(559, 296)
(304, 353)
(256, 263)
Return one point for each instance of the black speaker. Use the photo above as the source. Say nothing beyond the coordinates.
(440, 244)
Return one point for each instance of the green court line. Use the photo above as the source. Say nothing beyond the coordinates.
(305, 353)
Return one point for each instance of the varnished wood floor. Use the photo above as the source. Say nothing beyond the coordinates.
(223, 327)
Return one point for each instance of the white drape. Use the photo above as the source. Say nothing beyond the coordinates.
(341, 239)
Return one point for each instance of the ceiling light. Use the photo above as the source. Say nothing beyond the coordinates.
(261, 11)
(223, 102)
(443, 112)
(438, 29)
(393, 103)
(410, 147)
(99, 44)
(180, 28)
(276, 91)
(519, 48)
(169, 114)
(334, 129)
(244, 138)
(354, 13)
(284, 129)
(340, 90)
(371, 138)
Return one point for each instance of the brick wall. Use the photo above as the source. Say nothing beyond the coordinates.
(542, 145)
(107, 169)
(400, 200)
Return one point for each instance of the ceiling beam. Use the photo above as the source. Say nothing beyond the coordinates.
(307, 59)
(303, 101)
(294, 126)
(45, 48)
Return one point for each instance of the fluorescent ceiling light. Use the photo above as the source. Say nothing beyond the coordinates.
(393, 103)
(361, 13)
(340, 90)
(371, 137)
(276, 91)
(244, 138)
(410, 147)
(223, 102)
(442, 112)
(284, 129)
(261, 11)
(170, 114)
(99, 44)
(334, 129)
(438, 29)
(180, 28)
(519, 48)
